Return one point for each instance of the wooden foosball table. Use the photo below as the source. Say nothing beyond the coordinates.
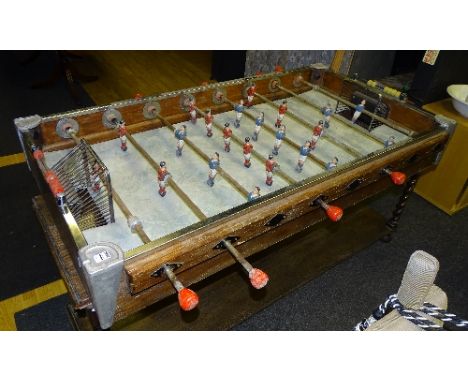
(154, 194)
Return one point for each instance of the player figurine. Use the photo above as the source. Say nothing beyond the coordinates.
(258, 124)
(390, 141)
(279, 139)
(239, 109)
(213, 164)
(180, 134)
(303, 153)
(227, 133)
(122, 129)
(193, 112)
(96, 177)
(317, 133)
(331, 165)
(163, 177)
(209, 123)
(248, 147)
(282, 109)
(327, 112)
(254, 194)
(359, 109)
(270, 166)
(250, 95)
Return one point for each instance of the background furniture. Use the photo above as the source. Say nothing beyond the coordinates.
(446, 186)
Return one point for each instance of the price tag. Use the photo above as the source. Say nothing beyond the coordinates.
(101, 256)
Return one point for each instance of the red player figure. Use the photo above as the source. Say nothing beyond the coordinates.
(270, 166)
(209, 123)
(193, 112)
(282, 109)
(122, 129)
(250, 95)
(248, 147)
(227, 133)
(163, 177)
(96, 177)
(317, 133)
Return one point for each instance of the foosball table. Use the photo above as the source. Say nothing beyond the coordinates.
(154, 194)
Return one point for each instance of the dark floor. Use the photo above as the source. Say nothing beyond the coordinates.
(334, 301)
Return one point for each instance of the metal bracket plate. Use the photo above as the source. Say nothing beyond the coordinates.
(273, 84)
(219, 96)
(185, 99)
(64, 126)
(109, 117)
(151, 110)
(231, 239)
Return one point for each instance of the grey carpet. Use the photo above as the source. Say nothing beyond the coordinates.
(343, 296)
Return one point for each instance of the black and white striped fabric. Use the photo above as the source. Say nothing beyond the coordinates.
(444, 316)
(411, 315)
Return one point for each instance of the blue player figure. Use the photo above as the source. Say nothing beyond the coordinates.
(180, 134)
(390, 141)
(213, 164)
(327, 112)
(258, 124)
(331, 165)
(303, 154)
(254, 194)
(239, 109)
(358, 110)
(280, 134)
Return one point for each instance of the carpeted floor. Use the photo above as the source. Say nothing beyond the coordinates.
(334, 301)
(25, 261)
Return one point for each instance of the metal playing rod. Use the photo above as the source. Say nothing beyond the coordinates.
(257, 277)
(303, 122)
(123, 207)
(188, 299)
(272, 130)
(206, 158)
(185, 198)
(280, 173)
(399, 128)
(345, 121)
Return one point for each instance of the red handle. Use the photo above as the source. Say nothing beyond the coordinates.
(38, 154)
(188, 299)
(258, 278)
(334, 213)
(398, 178)
(50, 176)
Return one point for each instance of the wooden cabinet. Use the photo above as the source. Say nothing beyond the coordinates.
(446, 185)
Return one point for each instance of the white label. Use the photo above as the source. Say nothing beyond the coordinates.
(430, 56)
(101, 256)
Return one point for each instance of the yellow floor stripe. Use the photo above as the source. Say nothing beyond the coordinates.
(10, 306)
(9, 160)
